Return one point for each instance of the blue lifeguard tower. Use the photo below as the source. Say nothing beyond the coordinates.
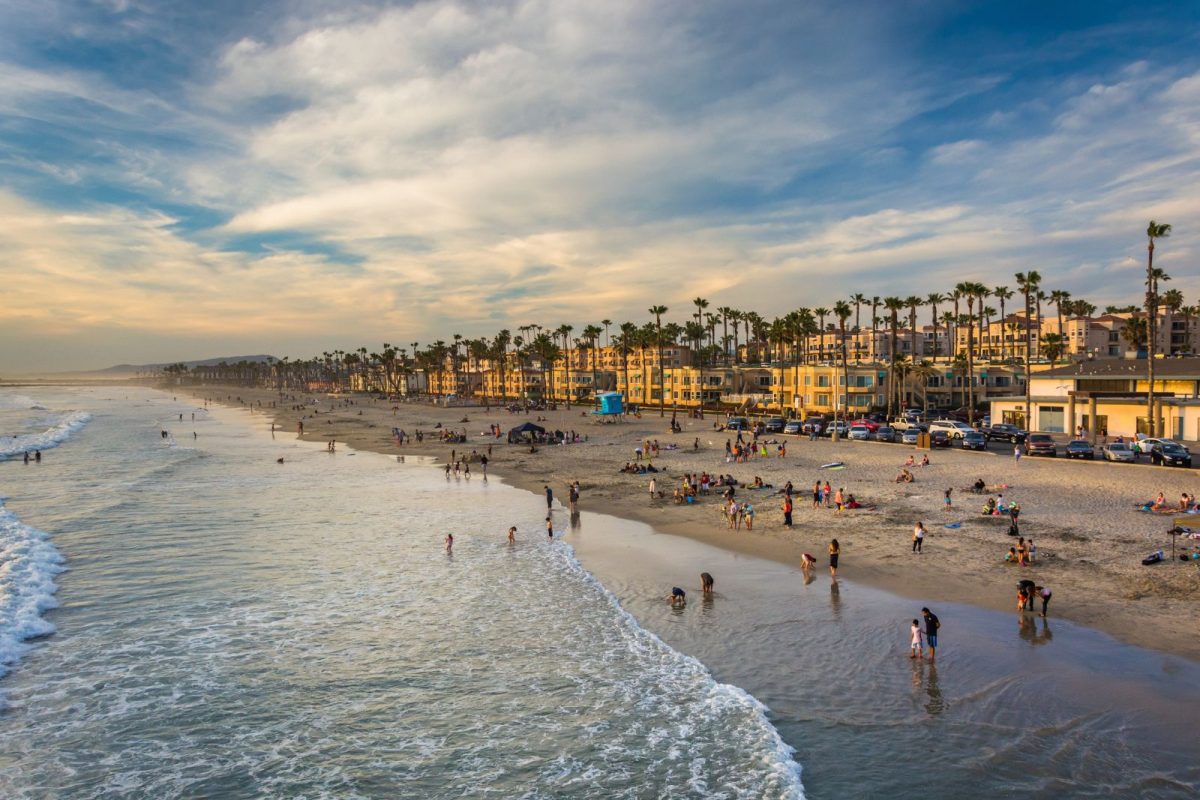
(611, 405)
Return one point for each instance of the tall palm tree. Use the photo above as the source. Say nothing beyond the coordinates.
(913, 302)
(1002, 293)
(875, 301)
(658, 311)
(700, 303)
(841, 310)
(1155, 230)
(821, 313)
(735, 317)
(591, 335)
(1027, 283)
(894, 305)
(626, 340)
(565, 332)
(858, 299)
(933, 299)
(725, 312)
(1060, 297)
(607, 340)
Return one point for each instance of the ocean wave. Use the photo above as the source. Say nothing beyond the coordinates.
(53, 436)
(19, 401)
(780, 776)
(28, 564)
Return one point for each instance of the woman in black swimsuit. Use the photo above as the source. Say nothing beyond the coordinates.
(834, 551)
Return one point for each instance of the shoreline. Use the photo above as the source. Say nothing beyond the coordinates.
(1147, 609)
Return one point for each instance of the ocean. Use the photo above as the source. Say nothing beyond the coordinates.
(185, 617)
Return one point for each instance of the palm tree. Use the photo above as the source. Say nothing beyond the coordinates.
(626, 340)
(658, 311)
(735, 317)
(700, 303)
(924, 370)
(1060, 297)
(591, 335)
(1052, 346)
(725, 312)
(607, 340)
(893, 306)
(1002, 293)
(913, 302)
(1155, 230)
(858, 299)
(841, 310)
(565, 332)
(875, 301)
(932, 299)
(821, 313)
(1027, 283)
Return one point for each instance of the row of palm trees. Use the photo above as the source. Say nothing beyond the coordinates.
(964, 312)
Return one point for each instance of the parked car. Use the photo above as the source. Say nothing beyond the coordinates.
(738, 424)
(952, 428)
(1080, 449)
(811, 421)
(910, 436)
(1117, 451)
(1170, 454)
(974, 440)
(859, 433)
(839, 425)
(1144, 444)
(1005, 432)
(939, 439)
(774, 425)
(793, 427)
(886, 433)
(869, 424)
(1041, 444)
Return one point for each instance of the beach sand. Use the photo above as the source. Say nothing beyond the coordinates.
(1083, 516)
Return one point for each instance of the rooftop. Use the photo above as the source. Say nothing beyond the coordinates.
(1164, 368)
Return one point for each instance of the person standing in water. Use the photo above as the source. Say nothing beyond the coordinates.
(512, 535)
(931, 630)
(549, 498)
(835, 550)
(549, 528)
(916, 651)
(449, 542)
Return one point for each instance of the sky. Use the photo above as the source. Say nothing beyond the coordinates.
(184, 180)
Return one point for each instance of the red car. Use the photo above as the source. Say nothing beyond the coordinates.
(869, 424)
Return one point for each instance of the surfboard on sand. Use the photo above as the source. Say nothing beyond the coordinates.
(834, 465)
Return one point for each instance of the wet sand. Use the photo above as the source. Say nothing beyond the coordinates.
(1082, 515)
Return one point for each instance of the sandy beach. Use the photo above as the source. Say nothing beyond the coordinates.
(1083, 516)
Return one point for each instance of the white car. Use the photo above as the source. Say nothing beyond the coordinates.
(860, 432)
(952, 428)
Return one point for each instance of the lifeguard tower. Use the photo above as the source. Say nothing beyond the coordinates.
(612, 406)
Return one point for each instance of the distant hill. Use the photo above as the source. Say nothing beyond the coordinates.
(205, 362)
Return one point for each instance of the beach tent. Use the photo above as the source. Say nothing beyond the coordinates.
(527, 429)
(611, 403)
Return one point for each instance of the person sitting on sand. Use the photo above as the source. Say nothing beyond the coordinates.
(1011, 556)
(925, 460)
(978, 486)
(851, 502)
(1159, 502)
(910, 462)
(989, 508)
(677, 497)
(904, 477)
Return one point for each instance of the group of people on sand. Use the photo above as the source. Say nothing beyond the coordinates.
(808, 561)
(1187, 503)
(739, 514)
(1023, 553)
(1028, 591)
(638, 469)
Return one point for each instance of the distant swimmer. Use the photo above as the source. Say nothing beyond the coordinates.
(512, 535)
(706, 582)
(449, 542)
(678, 597)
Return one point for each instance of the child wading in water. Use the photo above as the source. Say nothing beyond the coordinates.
(917, 650)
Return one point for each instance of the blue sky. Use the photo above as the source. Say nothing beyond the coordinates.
(181, 179)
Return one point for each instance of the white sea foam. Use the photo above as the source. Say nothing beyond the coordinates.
(56, 434)
(28, 564)
(19, 401)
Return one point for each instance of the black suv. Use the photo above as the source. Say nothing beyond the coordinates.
(1005, 432)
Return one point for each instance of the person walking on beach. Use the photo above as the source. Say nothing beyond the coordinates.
(449, 542)
(839, 500)
(835, 550)
(549, 497)
(1017, 453)
(918, 537)
(512, 535)
(483, 462)
(932, 623)
(916, 650)
(653, 488)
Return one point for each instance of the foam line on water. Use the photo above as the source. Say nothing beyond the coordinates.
(63, 429)
(778, 756)
(28, 564)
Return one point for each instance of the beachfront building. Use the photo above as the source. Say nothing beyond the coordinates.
(1096, 337)
(1109, 395)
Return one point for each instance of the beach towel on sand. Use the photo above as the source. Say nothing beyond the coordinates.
(953, 525)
